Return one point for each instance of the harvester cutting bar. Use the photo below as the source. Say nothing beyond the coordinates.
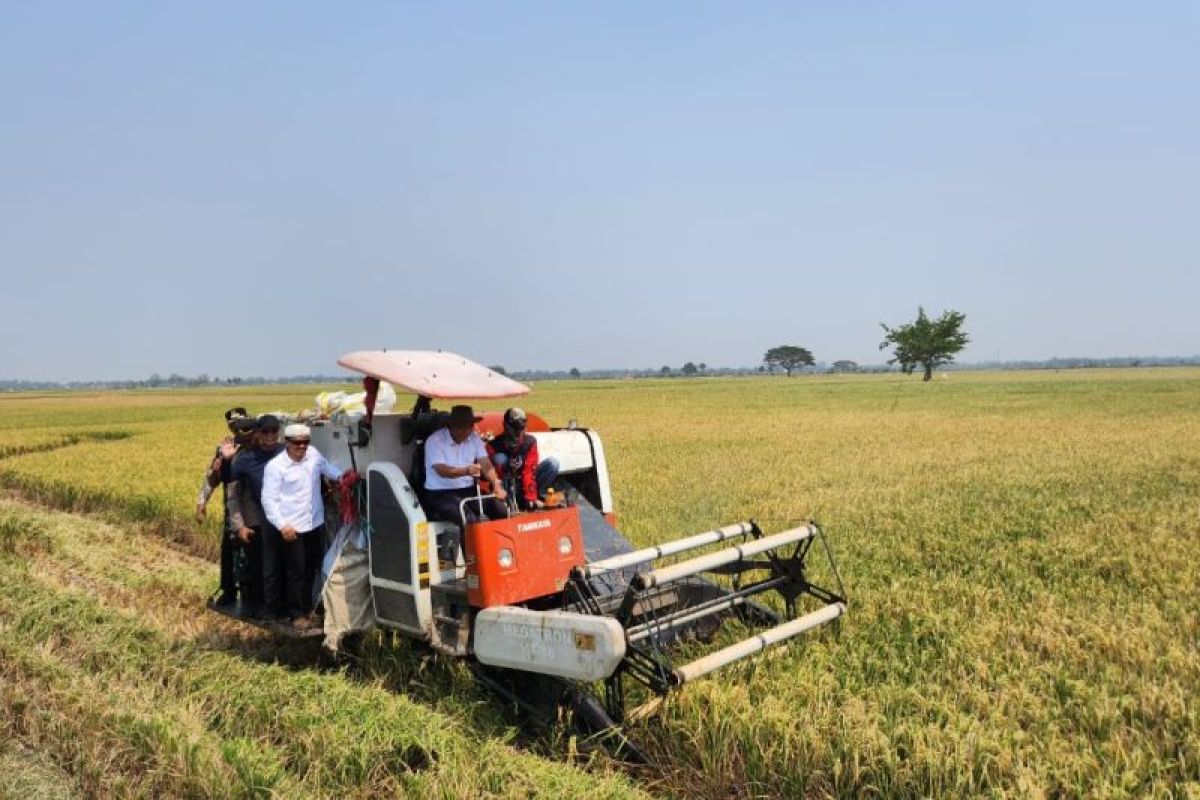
(693, 613)
(758, 643)
(668, 549)
(729, 555)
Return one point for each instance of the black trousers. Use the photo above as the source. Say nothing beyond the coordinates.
(289, 570)
(229, 585)
(247, 559)
(443, 505)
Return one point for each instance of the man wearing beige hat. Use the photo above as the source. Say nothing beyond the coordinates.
(294, 535)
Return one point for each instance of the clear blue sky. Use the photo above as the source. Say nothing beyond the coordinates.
(255, 188)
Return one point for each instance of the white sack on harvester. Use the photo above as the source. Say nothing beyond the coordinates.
(346, 590)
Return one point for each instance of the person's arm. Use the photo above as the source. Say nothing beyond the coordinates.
(233, 501)
(212, 479)
(447, 471)
(529, 474)
(488, 470)
(228, 451)
(270, 496)
(329, 469)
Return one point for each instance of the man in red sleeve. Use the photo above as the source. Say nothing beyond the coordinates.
(515, 456)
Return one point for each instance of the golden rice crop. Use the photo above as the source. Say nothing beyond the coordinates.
(1018, 550)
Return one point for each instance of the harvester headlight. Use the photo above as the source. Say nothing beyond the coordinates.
(505, 557)
(564, 545)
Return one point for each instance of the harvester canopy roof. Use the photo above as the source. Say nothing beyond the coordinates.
(435, 374)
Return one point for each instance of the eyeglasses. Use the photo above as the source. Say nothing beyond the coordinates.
(299, 442)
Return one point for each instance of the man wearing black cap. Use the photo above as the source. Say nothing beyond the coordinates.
(218, 473)
(515, 455)
(454, 458)
(246, 514)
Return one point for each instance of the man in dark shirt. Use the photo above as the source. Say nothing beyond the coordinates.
(241, 428)
(246, 515)
(515, 456)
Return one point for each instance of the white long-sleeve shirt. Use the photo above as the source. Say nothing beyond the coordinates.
(291, 492)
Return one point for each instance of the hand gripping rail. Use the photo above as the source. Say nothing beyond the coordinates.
(694, 566)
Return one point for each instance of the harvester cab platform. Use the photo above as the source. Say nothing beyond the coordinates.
(555, 605)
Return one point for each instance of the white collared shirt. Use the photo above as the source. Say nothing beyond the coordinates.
(440, 448)
(291, 492)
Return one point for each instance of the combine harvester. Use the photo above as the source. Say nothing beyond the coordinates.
(554, 607)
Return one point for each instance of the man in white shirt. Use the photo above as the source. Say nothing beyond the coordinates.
(455, 457)
(295, 533)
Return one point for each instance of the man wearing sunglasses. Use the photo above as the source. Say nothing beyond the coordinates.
(295, 533)
(245, 511)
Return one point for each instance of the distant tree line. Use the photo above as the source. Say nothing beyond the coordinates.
(174, 381)
(925, 343)
(609, 374)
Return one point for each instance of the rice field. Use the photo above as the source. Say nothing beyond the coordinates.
(1018, 549)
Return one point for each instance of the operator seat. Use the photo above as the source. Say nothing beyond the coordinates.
(448, 534)
(418, 428)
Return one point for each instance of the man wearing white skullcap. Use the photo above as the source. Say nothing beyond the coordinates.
(291, 500)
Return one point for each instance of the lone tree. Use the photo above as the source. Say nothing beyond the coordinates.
(845, 366)
(927, 342)
(690, 369)
(574, 372)
(788, 357)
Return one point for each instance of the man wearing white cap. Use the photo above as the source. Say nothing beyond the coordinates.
(291, 500)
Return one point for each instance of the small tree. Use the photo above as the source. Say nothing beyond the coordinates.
(665, 371)
(845, 366)
(574, 372)
(702, 366)
(690, 369)
(927, 342)
(788, 357)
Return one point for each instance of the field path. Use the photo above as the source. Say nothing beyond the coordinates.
(113, 672)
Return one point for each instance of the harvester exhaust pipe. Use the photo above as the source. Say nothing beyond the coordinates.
(694, 566)
(668, 549)
(755, 644)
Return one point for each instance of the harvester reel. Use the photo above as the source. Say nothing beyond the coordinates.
(662, 607)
